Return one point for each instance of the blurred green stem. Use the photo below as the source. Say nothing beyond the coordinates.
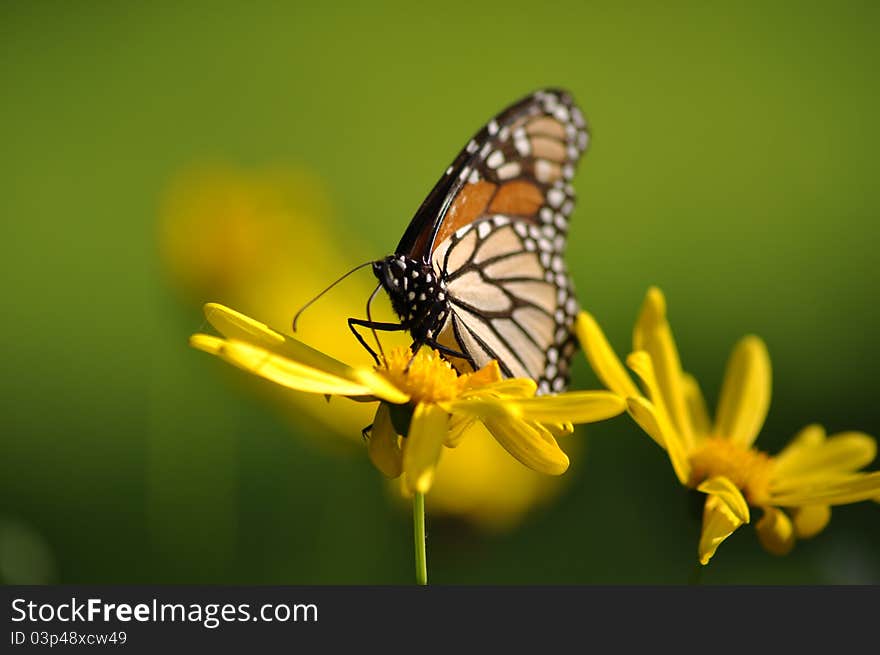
(419, 538)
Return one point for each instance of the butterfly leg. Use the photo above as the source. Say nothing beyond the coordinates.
(372, 325)
(414, 347)
(444, 350)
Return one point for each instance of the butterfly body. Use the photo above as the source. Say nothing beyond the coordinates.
(480, 272)
(417, 293)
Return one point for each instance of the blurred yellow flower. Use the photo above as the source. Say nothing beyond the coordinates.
(424, 404)
(263, 241)
(794, 489)
(258, 240)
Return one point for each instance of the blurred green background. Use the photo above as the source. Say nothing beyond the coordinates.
(733, 163)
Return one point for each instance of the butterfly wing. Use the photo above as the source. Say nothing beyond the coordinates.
(508, 301)
(494, 228)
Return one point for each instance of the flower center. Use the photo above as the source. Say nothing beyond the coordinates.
(426, 377)
(747, 468)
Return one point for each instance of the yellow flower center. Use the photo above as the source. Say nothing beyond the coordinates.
(747, 468)
(426, 377)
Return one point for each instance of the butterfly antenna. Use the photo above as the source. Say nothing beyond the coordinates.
(309, 303)
(370, 319)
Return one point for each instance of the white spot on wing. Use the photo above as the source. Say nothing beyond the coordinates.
(509, 170)
(544, 170)
(555, 197)
(495, 159)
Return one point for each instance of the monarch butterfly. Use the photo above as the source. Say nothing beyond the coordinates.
(479, 273)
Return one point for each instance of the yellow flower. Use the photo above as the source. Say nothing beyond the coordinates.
(237, 235)
(424, 404)
(794, 489)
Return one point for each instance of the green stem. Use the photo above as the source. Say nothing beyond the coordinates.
(419, 538)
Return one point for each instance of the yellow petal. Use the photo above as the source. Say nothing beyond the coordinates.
(288, 361)
(745, 393)
(696, 405)
(458, 428)
(808, 438)
(207, 343)
(649, 419)
(653, 335)
(719, 522)
(810, 520)
(559, 429)
(808, 484)
(379, 385)
(534, 447)
(652, 314)
(481, 405)
(572, 407)
(383, 446)
(775, 532)
(601, 356)
(640, 362)
(525, 387)
(236, 326)
(279, 369)
(843, 452)
(836, 490)
(487, 375)
(644, 414)
(422, 447)
(728, 492)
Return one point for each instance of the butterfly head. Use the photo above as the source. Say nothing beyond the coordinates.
(417, 295)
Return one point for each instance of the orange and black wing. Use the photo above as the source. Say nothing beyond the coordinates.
(494, 228)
